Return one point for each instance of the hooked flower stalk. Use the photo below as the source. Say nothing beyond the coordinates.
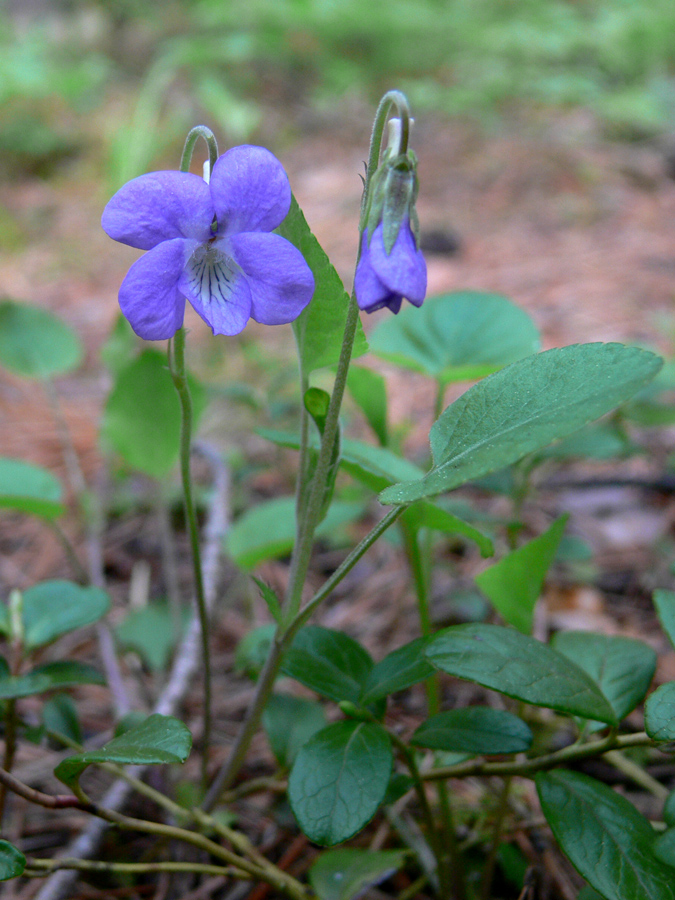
(211, 243)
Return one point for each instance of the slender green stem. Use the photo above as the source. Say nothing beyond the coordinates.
(528, 767)
(199, 131)
(637, 774)
(178, 373)
(303, 456)
(43, 866)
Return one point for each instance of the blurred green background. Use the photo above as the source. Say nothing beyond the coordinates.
(129, 77)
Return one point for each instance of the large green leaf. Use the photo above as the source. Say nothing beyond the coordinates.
(524, 408)
(476, 729)
(49, 677)
(289, 723)
(621, 667)
(339, 779)
(329, 662)
(141, 420)
(28, 488)
(399, 670)
(604, 837)
(320, 328)
(457, 337)
(518, 666)
(664, 601)
(425, 514)
(345, 874)
(514, 584)
(12, 861)
(53, 608)
(158, 739)
(35, 343)
(660, 713)
(267, 531)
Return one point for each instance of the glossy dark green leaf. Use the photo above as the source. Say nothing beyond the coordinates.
(290, 722)
(669, 809)
(370, 393)
(604, 836)
(28, 488)
(516, 665)
(329, 662)
(660, 713)
(141, 420)
(346, 874)
(397, 671)
(12, 861)
(622, 668)
(457, 337)
(53, 608)
(339, 779)
(425, 514)
(476, 729)
(513, 585)
(34, 343)
(48, 677)
(664, 601)
(267, 531)
(159, 739)
(320, 328)
(664, 847)
(525, 407)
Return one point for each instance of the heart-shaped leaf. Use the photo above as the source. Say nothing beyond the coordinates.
(524, 408)
(28, 488)
(604, 836)
(53, 608)
(518, 666)
(34, 343)
(476, 729)
(339, 779)
(159, 739)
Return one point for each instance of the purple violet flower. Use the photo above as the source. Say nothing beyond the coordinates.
(385, 279)
(212, 244)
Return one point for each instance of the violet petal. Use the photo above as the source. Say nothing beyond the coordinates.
(250, 190)
(404, 270)
(217, 288)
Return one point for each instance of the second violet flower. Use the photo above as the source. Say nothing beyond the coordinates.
(212, 244)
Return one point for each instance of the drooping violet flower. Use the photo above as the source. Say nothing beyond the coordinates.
(210, 243)
(391, 267)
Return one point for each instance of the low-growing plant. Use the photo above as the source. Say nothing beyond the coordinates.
(236, 245)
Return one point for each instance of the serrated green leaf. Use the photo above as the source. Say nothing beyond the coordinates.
(346, 874)
(513, 584)
(339, 779)
(267, 531)
(525, 407)
(30, 489)
(664, 601)
(159, 739)
(604, 837)
(397, 671)
(329, 662)
(622, 668)
(12, 861)
(141, 419)
(53, 608)
(35, 343)
(457, 337)
(660, 713)
(516, 665)
(370, 393)
(48, 677)
(289, 723)
(477, 729)
(425, 514)
(319, 329)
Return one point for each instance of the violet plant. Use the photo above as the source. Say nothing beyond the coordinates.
(236, 245)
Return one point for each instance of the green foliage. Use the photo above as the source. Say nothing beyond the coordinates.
(604, 836)
(399, 670)
(289, 723)
(346, 874)
(319, 329)
(59, 716)
(514, 583)
(30, 489)
(491, 425)
(516, 665)
(141, 420)
(53, 608)
(159, 739)
(48, 677)
(660, 713)
(339, 779)
(369, 392)
(12, 861)
(664, 601)
(425, 514)
(475, 730)
(457, 337)
(151, 632)
(329, 662)
(36, 344)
